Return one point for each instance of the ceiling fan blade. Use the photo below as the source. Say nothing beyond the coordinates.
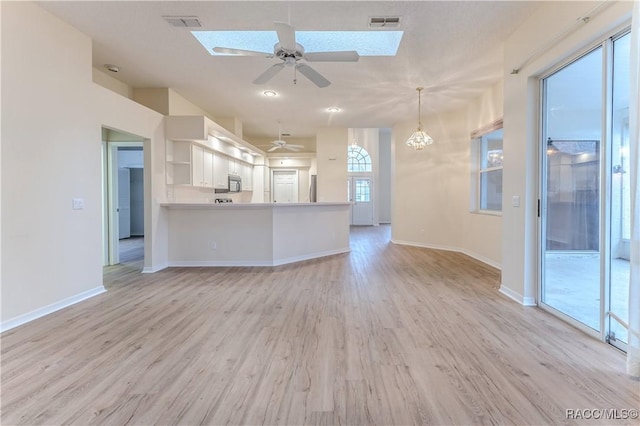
(313, 75)
(241, 52)
(273, 149)
(343, 56)
(268, 74)
(286, 35)
(294, 145)
(290, 148)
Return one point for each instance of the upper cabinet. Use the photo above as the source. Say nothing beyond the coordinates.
(201, 153)
(189, 164)
(246, 173)
(220, 171)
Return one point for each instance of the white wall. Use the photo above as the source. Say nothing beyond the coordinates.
(430, 206)
(384, 176)
(50, 155)
(52, 254)
(429, 185)
(519, 236)
(331, 163)
(109, 82)
(178, 105)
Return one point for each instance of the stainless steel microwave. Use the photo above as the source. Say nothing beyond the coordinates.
(235, 183)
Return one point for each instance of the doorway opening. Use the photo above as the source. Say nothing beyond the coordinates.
(123, 195)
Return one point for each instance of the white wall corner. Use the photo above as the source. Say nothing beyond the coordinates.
(154, 268)
(524, 301)
(482, 259)
(49, 309)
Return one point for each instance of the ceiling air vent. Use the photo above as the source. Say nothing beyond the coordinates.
(183, 21)
(285, 135)
(384, 21)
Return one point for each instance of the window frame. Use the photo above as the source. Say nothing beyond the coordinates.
(362, 154)
(477, 170)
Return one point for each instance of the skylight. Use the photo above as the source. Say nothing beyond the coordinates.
(366, 43)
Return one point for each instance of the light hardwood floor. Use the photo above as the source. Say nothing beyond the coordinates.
(385, 335)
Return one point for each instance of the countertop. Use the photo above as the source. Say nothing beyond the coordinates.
(249, 205)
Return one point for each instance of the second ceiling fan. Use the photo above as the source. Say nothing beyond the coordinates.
(291, 53)
(280, 144)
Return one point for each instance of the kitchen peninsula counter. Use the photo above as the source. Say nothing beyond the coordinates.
(255, 234)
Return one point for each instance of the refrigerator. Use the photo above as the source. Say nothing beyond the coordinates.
(313, 189)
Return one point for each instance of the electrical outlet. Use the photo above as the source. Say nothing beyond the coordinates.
(515, 201)
(213, 245)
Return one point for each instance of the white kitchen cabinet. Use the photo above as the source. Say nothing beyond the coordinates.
(197, 170)
(220, 171)
(207, 168)
(234, 167)
(246, 172)
(201, 166)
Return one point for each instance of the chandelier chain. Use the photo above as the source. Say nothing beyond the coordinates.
(419, 89)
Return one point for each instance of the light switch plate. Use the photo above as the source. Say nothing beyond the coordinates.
(515, 201)
(78, 203)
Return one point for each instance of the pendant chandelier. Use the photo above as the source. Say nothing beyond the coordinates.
(419, 139)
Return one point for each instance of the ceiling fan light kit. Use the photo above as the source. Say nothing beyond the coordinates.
(291, 53)
(280, 144)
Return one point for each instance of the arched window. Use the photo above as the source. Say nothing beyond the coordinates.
(359, 159)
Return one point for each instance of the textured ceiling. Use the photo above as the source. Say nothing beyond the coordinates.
(453, 49)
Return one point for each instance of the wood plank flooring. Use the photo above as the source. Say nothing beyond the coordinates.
(386, 334)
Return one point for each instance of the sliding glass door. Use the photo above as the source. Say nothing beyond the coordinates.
(573, 109)
(583, 270)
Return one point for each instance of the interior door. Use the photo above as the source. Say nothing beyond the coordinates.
(137, 201)
(360, 194)
(285, 186)
(124, 203)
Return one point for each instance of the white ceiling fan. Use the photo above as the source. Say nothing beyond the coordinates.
(281, 144)
(290, 53)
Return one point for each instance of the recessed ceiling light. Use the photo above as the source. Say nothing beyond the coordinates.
(111, 67)
(270, 93)
(333, 109)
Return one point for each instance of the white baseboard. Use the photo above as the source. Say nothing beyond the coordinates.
(215, 263)
(274, 262)
(482, 259)
(284, 261)
(155, 268)
(525, 301)
(46, 310)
